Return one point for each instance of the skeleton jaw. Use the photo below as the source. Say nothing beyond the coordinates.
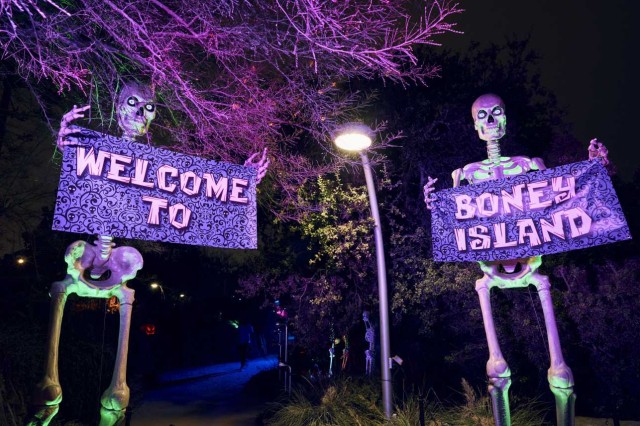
(491, 131)
(133, 128)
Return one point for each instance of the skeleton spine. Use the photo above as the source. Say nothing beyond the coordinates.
(105, 243)
(493, 151)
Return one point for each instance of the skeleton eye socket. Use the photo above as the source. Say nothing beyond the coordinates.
(482, 114)
(150, 107)
(132, 100)
(497, 111)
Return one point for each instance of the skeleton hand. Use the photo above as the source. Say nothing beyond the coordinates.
(260, 165)
(428, 188)
(598, 151)
(65, 129)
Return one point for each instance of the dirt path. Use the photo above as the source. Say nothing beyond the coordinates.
(208, 396)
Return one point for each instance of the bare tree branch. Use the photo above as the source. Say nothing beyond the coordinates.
(233, 75)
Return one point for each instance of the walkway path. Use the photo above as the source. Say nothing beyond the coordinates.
(207, 396)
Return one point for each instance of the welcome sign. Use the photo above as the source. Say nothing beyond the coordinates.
(565, 208)
(112, 186)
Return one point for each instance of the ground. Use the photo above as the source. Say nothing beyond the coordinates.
(206, 396)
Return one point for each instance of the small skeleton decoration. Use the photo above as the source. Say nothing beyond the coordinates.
(369, 337)
(490, 121)
(102, 271)
(345, 352)
(332, 350)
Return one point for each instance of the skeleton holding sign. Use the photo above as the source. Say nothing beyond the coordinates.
(490, 121)
(99, 270)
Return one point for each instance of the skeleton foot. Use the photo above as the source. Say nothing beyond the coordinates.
(114, 403)
(43, 415)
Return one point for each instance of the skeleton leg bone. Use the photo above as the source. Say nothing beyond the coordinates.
(123, 264)
(497, 369)
(115, 398)
(559, 374)
(48, 393)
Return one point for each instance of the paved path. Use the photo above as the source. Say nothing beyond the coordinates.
(207, 396)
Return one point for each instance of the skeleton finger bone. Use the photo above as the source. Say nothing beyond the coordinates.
(428, 188)
(260, 165)
(75, 113)
(597, 150)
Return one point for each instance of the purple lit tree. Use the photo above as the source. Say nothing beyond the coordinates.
(233, 76)
(330, 283)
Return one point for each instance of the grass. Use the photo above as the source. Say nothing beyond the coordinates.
(349, 401)
(339, 402)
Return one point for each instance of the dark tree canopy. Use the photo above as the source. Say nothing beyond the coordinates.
(231, 76)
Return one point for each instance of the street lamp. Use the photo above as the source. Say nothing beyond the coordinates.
(358, 137)
(155, 286)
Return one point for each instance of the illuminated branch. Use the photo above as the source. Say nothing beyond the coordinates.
(232, 76)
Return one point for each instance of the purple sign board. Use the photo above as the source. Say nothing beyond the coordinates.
(565, 208)
(112, 186)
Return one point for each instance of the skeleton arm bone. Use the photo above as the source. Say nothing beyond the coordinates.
(537, 164)
(429, 187)
(65, 128)
(104, 242)
(260, 165)
(458, 176)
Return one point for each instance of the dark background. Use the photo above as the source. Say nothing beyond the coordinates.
(588, 52)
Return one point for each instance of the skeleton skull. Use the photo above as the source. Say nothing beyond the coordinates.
(136, 109)
(489, 117)
(365, 316)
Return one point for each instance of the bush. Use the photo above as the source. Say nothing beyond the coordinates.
(339, 402)
(358, 402)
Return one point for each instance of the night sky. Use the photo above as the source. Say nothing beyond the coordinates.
(588, 51)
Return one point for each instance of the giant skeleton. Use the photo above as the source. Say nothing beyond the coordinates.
(99, 270)
(490, 121)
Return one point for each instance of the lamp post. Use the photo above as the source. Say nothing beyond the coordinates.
(358, 137)
(155, 286)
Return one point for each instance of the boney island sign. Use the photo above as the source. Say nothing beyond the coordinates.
(560, 209)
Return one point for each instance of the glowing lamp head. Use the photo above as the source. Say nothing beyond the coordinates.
(353, 137)
(154, 285)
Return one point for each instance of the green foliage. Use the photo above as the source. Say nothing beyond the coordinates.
(357, 402)
(324, 271)
(426, 288)
(16, 371)
(600, 308)
(339, 229)
(344, 402)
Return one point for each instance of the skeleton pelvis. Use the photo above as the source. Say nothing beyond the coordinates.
(83, 260)
(512, 273)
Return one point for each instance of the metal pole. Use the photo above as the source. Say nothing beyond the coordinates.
(286, 341)
(385, 353)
